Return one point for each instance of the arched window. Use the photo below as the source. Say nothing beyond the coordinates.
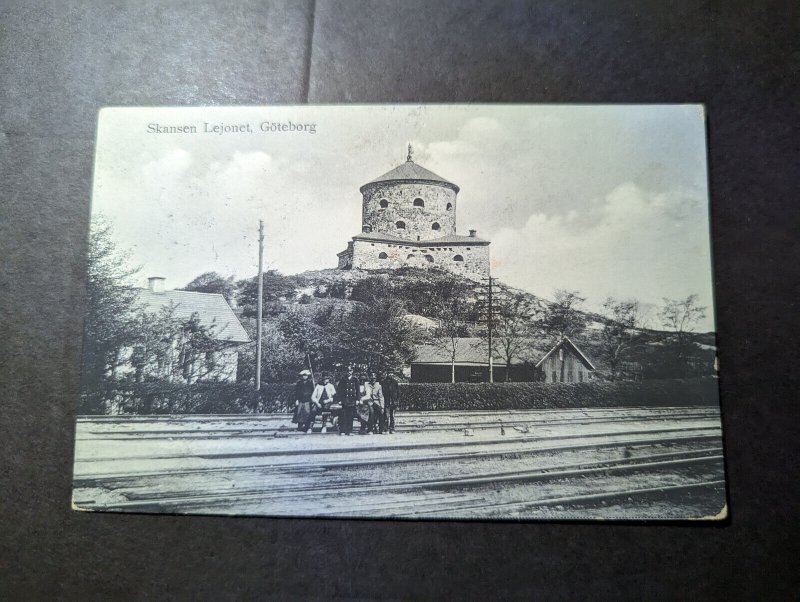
(449, 206)
(429, 258)
(418, 202)
(435, 226)
(384, 203)
(383, 256)
(400, 225)
(458, 258)
(410, 256)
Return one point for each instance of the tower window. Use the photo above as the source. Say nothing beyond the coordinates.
(429, 258)
(400, 225)
(435, 226)
(418, 202)
(384, 203)
(410, 256)
(449, 206)
(458, 258)
(383, 256)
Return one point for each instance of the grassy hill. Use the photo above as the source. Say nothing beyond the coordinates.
(326, 299)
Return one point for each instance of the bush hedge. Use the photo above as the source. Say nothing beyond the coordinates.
(524, 396)
(164, 397)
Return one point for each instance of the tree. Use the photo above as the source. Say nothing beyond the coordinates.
(280, 360)
(512, 328)
(153, 348)
(378, 327)
(562, 318)
(276, 286)
(196, 349)
(449, 302)
(620, 332)
(110, 323)
(212, 282)
(680, 316)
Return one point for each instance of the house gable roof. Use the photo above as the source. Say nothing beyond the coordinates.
(567, 343)
(214, 312)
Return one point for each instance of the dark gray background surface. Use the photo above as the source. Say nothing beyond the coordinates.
(61, 61)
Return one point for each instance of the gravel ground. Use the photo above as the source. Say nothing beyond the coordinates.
(257, 465)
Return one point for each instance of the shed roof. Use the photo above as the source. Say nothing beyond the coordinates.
(214, 312)
(474, 351)
(410, 171)
(469, 350)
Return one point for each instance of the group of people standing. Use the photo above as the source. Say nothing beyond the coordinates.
(367, 399)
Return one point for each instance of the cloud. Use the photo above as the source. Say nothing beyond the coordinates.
(630, 243)
(600, 198)
(170, 164)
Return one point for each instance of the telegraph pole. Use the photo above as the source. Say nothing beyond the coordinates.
(260, 301)
(489, 323)
(486, 307)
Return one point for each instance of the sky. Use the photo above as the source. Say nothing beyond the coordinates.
(609, 200)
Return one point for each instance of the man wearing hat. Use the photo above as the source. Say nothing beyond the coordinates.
(303, 390)
(322, 399)
(349, 389)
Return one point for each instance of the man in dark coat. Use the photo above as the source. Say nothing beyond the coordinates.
(391, 395)
(348, 394)
(303, 390)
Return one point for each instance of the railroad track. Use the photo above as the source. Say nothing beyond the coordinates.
(587, 464)
(407, 423)
(457, 494)
(475, 453)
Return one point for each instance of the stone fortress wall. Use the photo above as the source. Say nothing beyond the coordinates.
(411, 203)
(385, 204)
(469, 261)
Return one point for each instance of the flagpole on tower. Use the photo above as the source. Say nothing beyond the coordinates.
(260, 301)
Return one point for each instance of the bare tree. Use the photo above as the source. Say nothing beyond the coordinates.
(449, 300)
(563, 317)
(680, 316)
(620, 332)
(512, 328)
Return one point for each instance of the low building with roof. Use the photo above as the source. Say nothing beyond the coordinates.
(212, 314)
(563, 362)
(409, 219)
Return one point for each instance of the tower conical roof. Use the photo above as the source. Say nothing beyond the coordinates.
(411, 171)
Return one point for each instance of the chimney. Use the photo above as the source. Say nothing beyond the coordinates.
(472, 233)
(156, 284)
(366, 228)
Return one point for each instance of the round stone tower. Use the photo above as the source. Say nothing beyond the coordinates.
(409, 202)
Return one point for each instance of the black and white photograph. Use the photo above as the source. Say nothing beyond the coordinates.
(466, 312)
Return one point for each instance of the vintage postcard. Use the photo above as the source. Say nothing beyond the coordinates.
(401, 311)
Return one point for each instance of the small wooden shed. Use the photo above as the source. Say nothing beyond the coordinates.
(564, 363)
